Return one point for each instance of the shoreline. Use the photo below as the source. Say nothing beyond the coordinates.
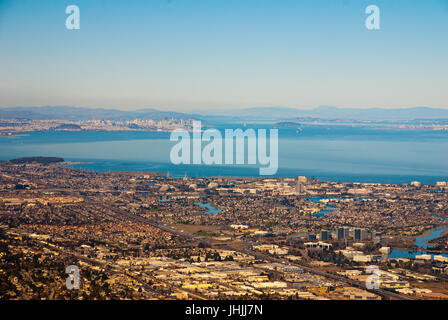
(190, 172)
(337, 179)
(376, 125)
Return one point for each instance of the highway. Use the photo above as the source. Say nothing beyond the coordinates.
(123, 215)
(383, 293)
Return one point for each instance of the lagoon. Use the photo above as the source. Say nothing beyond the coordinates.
(421, 242)
(211, 209)
(328, 209)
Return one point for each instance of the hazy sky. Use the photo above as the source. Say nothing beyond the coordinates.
(206, 54)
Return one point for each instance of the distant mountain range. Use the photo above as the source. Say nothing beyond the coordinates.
(263, 113)
(78, 113)
(331, 113)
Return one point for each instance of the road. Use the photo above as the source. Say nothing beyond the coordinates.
(248, 246)
(383, 293)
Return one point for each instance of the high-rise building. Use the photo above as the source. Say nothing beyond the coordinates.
(301, 181)
(361, 234)
(324, 235)
(364, 235)
(343, 233)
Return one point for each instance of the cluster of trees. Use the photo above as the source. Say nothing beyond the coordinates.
(41, 160)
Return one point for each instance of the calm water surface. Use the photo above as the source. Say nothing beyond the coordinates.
(332, 153)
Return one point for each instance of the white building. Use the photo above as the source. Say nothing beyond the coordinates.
(362, 258)
(302, 179)
(320, 244)
(423, 257)
(441, 258)
(239, 226)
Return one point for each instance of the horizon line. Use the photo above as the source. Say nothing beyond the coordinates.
(177, 110)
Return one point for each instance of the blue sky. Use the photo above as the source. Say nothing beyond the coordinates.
(216, 54)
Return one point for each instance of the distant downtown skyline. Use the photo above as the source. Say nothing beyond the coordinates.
(191, 55)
